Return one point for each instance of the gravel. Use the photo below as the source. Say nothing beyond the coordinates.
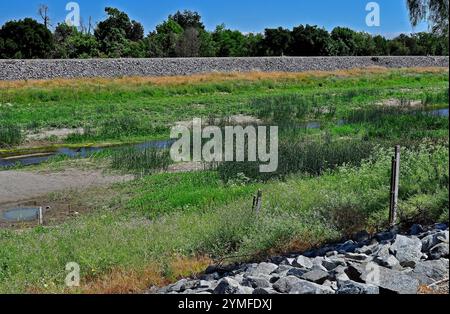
(112, 68)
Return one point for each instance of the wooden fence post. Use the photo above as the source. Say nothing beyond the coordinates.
(41, 216)
(257, 201)
(395, 178)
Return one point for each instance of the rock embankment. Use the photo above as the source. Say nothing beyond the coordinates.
(385, 263)
(111, 68)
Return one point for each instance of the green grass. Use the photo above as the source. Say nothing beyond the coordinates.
(130, 111)
(302, 210)
(332, 181)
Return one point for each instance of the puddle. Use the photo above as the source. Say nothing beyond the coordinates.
(438, 112)
(84, 152)
(20, 214)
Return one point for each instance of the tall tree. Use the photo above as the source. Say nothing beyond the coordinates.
(188, 19)
(277, 41)
(433, 11)
(26, 39)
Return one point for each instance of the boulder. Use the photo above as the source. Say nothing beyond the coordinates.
(306, 287)
(302, 262)
(352, 287)
(407, 250)
(389, 280)
(316, 276)
(264, 269)
(256, 282)
(228, 285)
(416, 229)
(439, 251)
(297, 272)
(434, 239)
(428, 272)
(285, 284)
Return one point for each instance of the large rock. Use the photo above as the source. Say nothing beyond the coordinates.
(306, 287)
(407, 250)
(439, 251)
(229, 285)
(384, 258)
(256, 282)
(285, 284)
(387, 279)
(264, 269)
(434, 239)
(352, 287)
(428, 272)
(302, 262)
(316, 276)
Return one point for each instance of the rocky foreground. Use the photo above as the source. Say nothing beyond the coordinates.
(386, 263)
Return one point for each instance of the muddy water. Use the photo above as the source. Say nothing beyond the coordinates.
(82, 152)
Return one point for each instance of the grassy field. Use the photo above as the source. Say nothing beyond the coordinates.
(333, 180)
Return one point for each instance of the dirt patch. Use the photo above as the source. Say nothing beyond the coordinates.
(16, 186)
(57, 133)
(400, 103)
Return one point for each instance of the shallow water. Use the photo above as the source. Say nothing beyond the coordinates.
(86, 152)
(20, 214)
(82, 152)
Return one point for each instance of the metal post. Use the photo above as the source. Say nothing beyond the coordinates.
(395, 178)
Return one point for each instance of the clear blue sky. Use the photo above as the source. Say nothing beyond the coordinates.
(245, 15)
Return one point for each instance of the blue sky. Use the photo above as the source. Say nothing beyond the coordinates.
(245, 15)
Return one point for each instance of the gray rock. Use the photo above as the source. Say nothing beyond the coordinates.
(385, 278)
(416, 229)
(333, 262)
(262, 291)
(306, 287)
(256, 282)
(317, 276)
(180, 286)
(361, 236)
(439, 251)
(432, 240)
(297, 272)
(331, 284)
(285, 284)
(264, 269)
(428, 272)
(227, 286)
(408, 250)
(357, 257)
(303, 262)
(352, 287)
(347, 247)
(385, 236)
(282, 270)
(384, 258)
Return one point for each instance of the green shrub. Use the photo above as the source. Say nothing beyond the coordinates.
(10, 135)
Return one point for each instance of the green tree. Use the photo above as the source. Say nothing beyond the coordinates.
(277, 41)
(433, 11)
(116, 31)
(25, 39)
(343, 41)
(163, 41)
(188, 19)
(310, 41)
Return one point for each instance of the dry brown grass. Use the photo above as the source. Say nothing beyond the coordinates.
(204, 78)
(131, 281)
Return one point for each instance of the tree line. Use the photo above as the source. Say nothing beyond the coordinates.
(183, 34)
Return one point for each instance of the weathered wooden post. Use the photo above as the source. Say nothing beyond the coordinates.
(41, 216)
(395, 177)
(257, 201)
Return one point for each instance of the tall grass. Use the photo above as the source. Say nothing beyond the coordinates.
(10, 135)
(141, 161)
(301, 156)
